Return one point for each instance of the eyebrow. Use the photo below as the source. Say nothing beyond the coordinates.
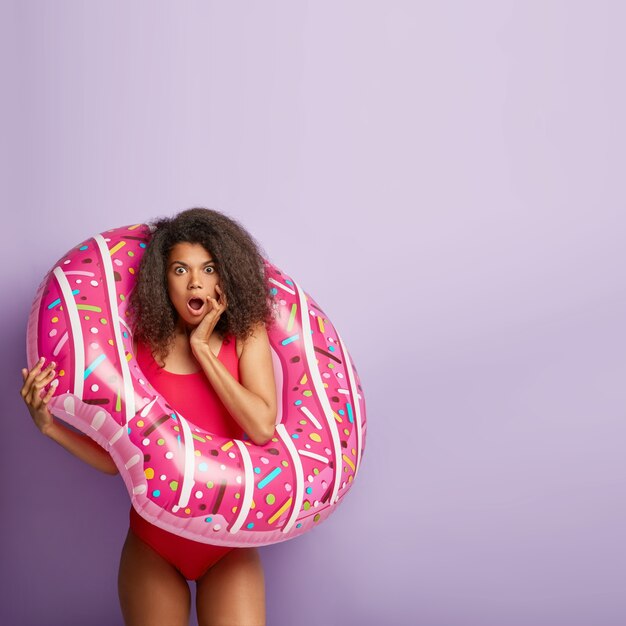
(211, 261)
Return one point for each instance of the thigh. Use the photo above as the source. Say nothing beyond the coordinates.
(151, 591)
(232, 592)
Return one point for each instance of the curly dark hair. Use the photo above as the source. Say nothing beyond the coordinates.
(238, 259)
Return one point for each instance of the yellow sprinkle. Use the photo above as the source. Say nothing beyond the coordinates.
(348, 461)
(111, 342)
(188, 510)
(252, 505)
(315, 437)
(140, 423)
(115, 248)
(280, 511)
(61, 372)
(197, 452)
(303, 422)
(197, 437)
(303, 380)
(346, 431)
(234, 509)
(337, 417)
(149, 472)
(227, 445)
(133, 227)
(131, 270)
(321, 324)
(55, 319)
(129, 356)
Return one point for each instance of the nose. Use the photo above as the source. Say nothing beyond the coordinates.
(194, 280)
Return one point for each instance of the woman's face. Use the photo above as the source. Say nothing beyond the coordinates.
(191, 277)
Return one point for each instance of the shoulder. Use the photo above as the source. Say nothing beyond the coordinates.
(257, 339)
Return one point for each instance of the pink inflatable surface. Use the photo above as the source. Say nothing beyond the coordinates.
(182, 478)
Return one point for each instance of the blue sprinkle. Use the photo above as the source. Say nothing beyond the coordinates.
(309, 489)
(142, 245)
(83, 248)
(331, 348)
(289, 282)
(208, 519)
(341, 412)
(350, 417)
(295, 337)
(178, 439)
(55, 303)
(125, 334)
(298, 525)
(298, 402)
(250, 525)
(156, 493)
(75, 291)
(295, 436)
(273, 291)
(174, 416)
(203, 467)
(129, 430)
(269, 478)
(257, 470)
(94, 364)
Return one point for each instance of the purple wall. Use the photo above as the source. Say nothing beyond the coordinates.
(447, 179)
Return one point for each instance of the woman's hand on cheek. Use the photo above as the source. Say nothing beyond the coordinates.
(200, 335)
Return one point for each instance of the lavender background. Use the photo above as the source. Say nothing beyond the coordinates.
(447, 180)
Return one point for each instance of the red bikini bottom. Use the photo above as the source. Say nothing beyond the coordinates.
(191, 558)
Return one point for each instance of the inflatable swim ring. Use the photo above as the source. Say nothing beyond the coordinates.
(181, 478)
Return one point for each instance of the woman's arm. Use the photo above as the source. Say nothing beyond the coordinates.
(251, 403)
(36, 400)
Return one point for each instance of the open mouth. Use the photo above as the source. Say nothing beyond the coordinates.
(195, 305)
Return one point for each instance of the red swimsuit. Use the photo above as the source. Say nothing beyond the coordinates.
(194, 397)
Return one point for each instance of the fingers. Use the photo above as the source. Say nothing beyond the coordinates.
(36, 380)
(222, 296)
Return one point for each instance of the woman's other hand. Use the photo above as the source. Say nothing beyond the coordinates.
(36, 400)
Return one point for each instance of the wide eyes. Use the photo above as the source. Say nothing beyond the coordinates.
(209, 269)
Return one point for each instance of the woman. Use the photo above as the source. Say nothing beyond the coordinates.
(200, 310)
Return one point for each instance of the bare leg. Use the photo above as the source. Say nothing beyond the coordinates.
(151, 591)
(232, 592)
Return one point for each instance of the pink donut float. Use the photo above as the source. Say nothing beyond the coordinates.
(184, 479)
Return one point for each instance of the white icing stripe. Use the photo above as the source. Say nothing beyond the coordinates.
(60, 344)
(129, 394)
(248, 479)
(311, 417)
(316, 378)
(77, 332)
(132, 461)
(188, 470)
(347, 392)
(356, 404)
(275, 282)
(298, 494)
(319, 457)
(146, 409)
(117, 435)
